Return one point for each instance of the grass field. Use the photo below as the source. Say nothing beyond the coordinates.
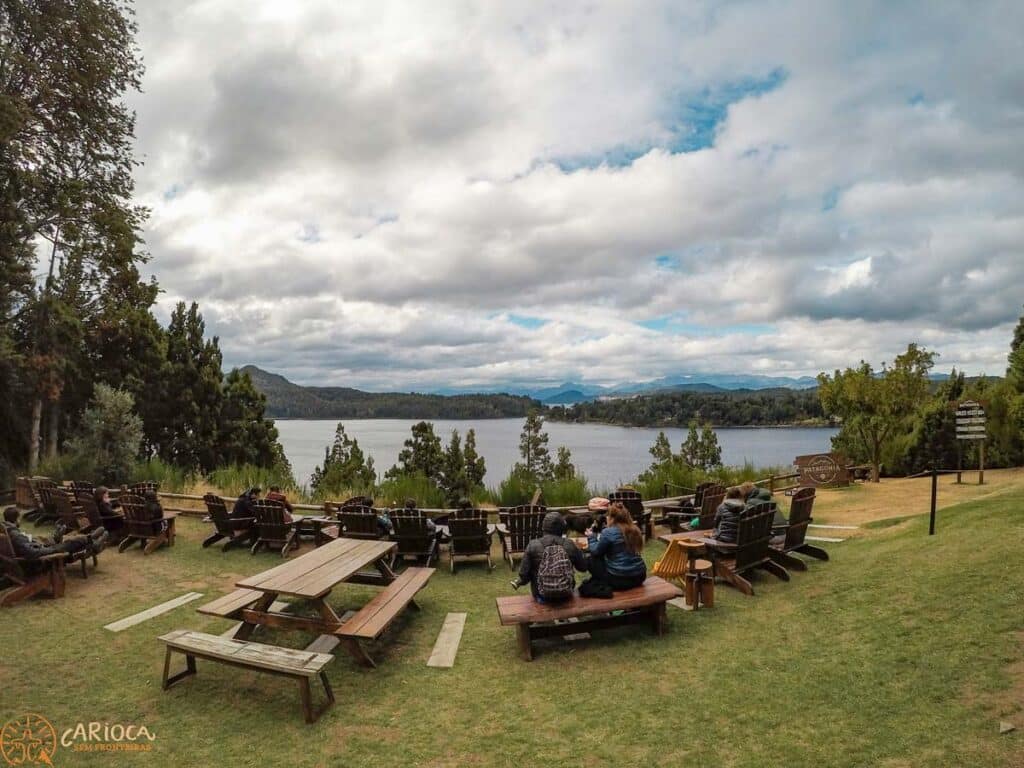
(903, 650)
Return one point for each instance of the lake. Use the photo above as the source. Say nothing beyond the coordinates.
(606, 455)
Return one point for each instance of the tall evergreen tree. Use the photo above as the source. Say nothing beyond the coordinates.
(244, 435)
(66, 161)
(533, 448)
(345, 468)
(476, 467)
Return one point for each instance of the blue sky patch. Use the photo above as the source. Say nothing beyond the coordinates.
(525, 321)
(698, 117)
(676, 323)
(830, 199)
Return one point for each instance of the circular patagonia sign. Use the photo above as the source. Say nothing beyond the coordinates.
(823, 469)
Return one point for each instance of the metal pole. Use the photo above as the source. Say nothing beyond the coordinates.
(935, 493)
(959, 462)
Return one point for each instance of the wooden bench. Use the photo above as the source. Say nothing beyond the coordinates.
(231, 605)
(285, 662)
(533, 620)
(373, 618)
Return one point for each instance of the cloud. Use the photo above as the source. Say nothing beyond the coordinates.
(398, 195)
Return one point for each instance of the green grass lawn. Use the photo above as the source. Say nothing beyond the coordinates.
(904, 650)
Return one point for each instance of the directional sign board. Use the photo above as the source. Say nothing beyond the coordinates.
(970, 421)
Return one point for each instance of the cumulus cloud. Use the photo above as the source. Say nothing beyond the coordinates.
(406, 195)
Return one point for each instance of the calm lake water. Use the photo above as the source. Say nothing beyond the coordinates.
(606, 455)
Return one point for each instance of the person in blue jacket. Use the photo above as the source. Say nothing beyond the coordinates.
(615, 553)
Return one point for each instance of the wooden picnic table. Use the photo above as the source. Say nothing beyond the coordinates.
(311, 577)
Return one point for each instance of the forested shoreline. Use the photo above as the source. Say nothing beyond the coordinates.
(737, 408)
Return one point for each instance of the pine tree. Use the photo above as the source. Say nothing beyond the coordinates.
(661, 451)
(244, 435)
(345, 469)
(564, 468)
(1015, 371)
(452, 478)
(533, 447)
(422, 454)
(476, 467)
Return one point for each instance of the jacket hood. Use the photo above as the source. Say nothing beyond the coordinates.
(553, 523)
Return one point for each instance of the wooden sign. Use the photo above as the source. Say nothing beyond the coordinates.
(822, 469)
(970, 421)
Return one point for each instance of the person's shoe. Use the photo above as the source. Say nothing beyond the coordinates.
(58, 533)
(98, 539)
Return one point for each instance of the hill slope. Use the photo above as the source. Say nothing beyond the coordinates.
(286, 399)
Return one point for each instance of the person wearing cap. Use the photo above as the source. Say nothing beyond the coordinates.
(552, 528)
(244, 503)
(275, 494)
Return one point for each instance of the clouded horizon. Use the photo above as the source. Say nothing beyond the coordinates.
(412, 195)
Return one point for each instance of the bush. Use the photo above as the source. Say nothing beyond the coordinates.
(234, 479)
(395, 490)
(107, 444)
(171, 478)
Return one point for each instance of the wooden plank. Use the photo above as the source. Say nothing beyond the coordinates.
(823, 538)
(680, 602)
(835, 527)
(149, 613)
(448, 640)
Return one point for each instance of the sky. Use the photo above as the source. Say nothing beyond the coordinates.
(411, 195)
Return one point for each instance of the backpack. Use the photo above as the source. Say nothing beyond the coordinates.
(555, 579)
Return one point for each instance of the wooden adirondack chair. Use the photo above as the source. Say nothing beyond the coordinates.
(81, 485)
(518, 527)
(633, 502)
(151, 528)
(750, 551)
(711, 499)
(676, 517)
(29, 577)
(23, 497)
(44, 511)
(359, 522)
(471, 536)
(69, 511)
(412, 535)
(113, 524)
(238, 531)
(796, 532)
(272, 531)
(673, 564)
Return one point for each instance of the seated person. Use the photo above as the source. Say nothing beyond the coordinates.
(154, 510)
(727, 516)
(615, 553)
(753, 494)
(274, 494)
(243, 504)
(30, 548)
(579, 522)
(549, 561)
(112, 521)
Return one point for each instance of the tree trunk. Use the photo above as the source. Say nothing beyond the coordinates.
(33, 440)
(53, 429)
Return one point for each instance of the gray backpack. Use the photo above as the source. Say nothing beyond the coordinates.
(555, 578)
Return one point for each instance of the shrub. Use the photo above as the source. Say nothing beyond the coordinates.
(108, 440)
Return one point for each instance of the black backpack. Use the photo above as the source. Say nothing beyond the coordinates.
(555, 578)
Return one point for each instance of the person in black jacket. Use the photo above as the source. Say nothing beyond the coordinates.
(553, 528)
(30, 548)
(243, 504)
(727, 517)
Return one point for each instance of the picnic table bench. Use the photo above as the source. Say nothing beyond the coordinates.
(285, 662)
(311, 578)
(643, 605)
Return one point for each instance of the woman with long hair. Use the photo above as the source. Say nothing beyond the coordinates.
(615, 553)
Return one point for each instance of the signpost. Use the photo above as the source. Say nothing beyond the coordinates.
(970, 425)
